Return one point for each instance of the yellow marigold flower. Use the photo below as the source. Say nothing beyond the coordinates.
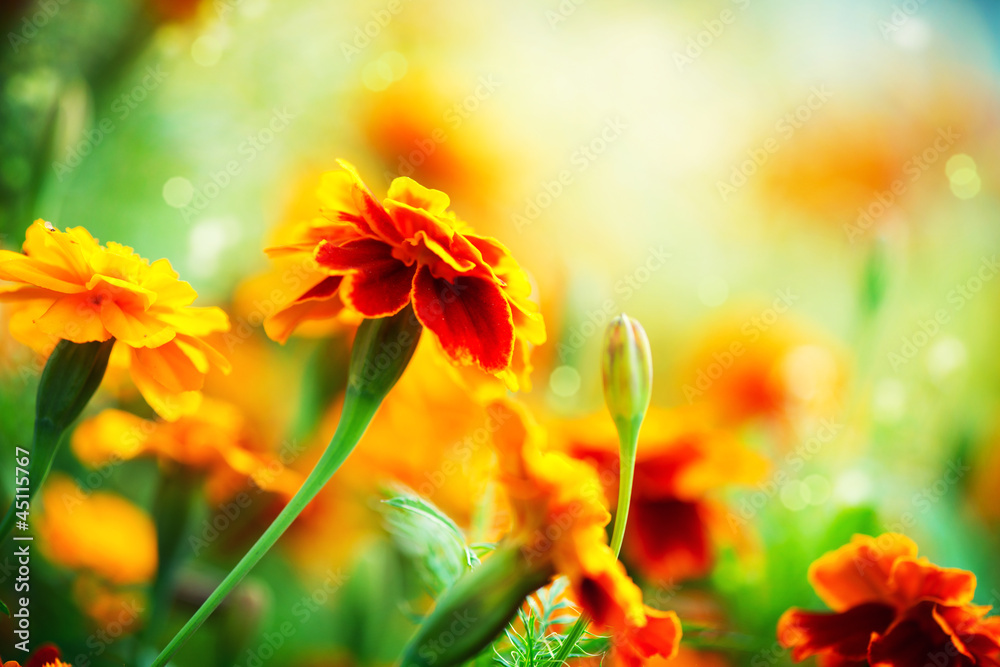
(216, 439)
(75, 289)
(559, 515)
(101, 533)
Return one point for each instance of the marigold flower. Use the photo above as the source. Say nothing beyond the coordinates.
(378, 257)
(216, 439)
(559, 517)
(101, 533)
(75, 289)
(891, 608)
(681, 461)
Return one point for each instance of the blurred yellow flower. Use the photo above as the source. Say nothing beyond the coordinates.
(216, 439)
(75, 289)
(102, 533)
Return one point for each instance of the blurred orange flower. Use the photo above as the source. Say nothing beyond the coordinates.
(72, 288)
(559, 518)
(764, 364)
(682, 459)
(891, 608)
(101, 533)
(376, 258)
(216, 439)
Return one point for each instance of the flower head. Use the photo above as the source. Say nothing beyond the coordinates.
(559, 517)
(681, 460)
(72, 288)
(890, 608)
(375, 258)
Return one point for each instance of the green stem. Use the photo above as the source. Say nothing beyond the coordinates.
(44, 443)
(628, 440)
(357, 413)
(172, 509)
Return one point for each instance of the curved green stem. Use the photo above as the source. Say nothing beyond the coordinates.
(358, 412)
(172, 510)
(628, 439)
(44, 443)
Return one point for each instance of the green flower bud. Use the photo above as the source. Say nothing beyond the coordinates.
(382, 350)
(628, 371)
(473, 612)
(71, 376)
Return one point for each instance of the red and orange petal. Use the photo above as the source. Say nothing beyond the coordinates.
(928, 629)
(886, 569)
(845, 635)
(466, 290)
(659, 637)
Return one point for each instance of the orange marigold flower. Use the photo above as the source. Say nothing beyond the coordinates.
(891, 608)
(681, 460)
(378, 257)
(559, 517)
(78, 290)
(101, 533)
(216, 439)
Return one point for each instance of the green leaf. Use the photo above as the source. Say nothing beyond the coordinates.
(4, 608)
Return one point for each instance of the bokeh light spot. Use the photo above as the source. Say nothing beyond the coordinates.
(945, 357)
(817, 489)
(794, 495)
(564, 381)
(852, 487)
(889, 400)
(178, 191)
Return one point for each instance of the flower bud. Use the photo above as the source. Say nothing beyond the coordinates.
(628, 371)
(71, 376)
(475, 610)
(382, 349)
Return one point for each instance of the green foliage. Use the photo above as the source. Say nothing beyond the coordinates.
(533, 639)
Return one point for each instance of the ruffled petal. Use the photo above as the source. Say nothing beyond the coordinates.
(859, 572)
(470, 317)
(74, 318)
(845, 634)
(134, 328)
